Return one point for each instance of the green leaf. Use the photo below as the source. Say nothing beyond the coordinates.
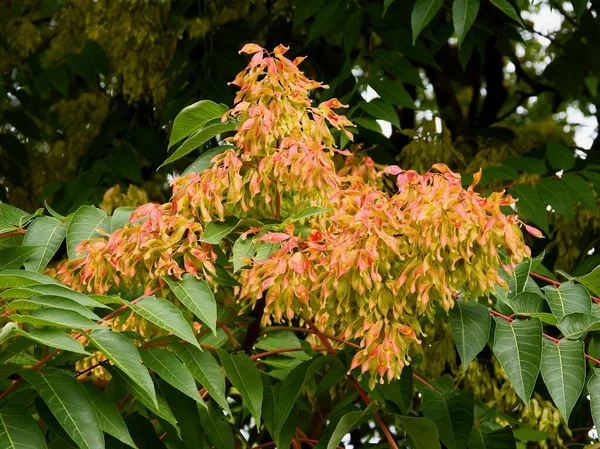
(120, 217)
(326, 19)
(531, 206)
(194, 117)
(121, 352)
(590, 280)
(205, 370)
(306, 9)
(559, 156)
(519, 276)
(551, 191)
(124, 161)
(12, 218)
(397, 65)
(453, 417)
(55, 302)
(464, 13)
(187, 414)
(593, 387)
(492, 439)
(57, 318)
(197, 296)
(16, 256)
(352, 30)
(85, 224)
(205, 159)
(518, 348)
(216, 428)
(568, 298)
(7, 331)
(345, 425)
(563, 371)
(47, 233)
(574, 325)
(292, 386)
(310, 211)
(69, 403)
(243, 249)
(109, 418)
(156, 405)
(422, 13)
(422, 432)
(169, 368)
(54, 338)
(382, 110)
(200, 137)
(245, 377)
(52, 290)
(392, 92)
(580, 190)
(526, 303)
(280, 340)
(166, 316)
(470, 325)
(507, 8)
(18, 429)
(215, 231)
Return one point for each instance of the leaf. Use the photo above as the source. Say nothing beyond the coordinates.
(382, 110)
(345, 425)
(306, 9)
(590, 280)
(492, 439)
(57, 318)
(422, 13)
(215, 231)
(124, 160)
(169, 368)
(52, 290)
(69, 403)
(15, 256)
(563, 371)
(243, 250)
(121, 352)
(310, 211)
(526, 303)
(567, 298)
(24, 278)
(7, 331)
(422, 432)
(194, 117)
(551, 191)
(85, 223)
(519, 276)
(392, 92)
(187, 414)
(280, 340)
(120, 217)
(109, 418)
(464, 13)
(470, 325)
(507, 8)
(158, 405)
(292, 386)
(54, 338)
(397, 65)
(326, 19)
(399, 391)
(580, 190)
(12, 218)
(593, 387)
(55, 302)
(245, 377)
(18, 429)
(205, 370)
(200, 137)
(531, 206)
(205, 159)
(352, 30)
(197, 296)
(47, 233)
(518, 348)
(574, 325)
(453, 417)
(559, 156)
(216, 428)
(166, 316)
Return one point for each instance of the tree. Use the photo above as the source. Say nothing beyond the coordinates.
(88, 117)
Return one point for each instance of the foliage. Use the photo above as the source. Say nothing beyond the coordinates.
(90, 95)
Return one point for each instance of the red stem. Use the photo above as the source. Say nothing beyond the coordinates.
(8, 234)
